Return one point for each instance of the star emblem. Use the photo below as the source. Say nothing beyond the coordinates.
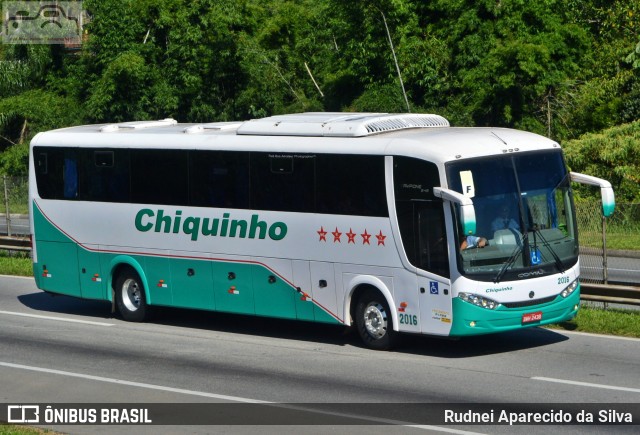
(336, 235)
(323, 235)
(381, 238)
(352, 236)
(365, 237)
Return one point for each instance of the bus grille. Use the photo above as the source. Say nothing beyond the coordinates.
(528, 303)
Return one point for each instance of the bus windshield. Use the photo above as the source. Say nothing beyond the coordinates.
(525, 225)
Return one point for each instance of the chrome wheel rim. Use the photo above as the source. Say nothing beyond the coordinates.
(375, 320)
(131, 296)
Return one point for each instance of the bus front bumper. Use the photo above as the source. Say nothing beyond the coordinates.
(469, 319)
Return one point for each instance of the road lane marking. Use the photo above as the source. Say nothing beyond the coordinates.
(586, 384)
(130, 384)
(60, 319)
(590, 334)
(18, 277)
(232, 398)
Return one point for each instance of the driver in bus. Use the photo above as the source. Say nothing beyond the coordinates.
(504, 221)
(473, 242)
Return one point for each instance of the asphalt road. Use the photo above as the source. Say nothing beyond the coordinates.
(19, 224)
(61, 349)
(620, 269)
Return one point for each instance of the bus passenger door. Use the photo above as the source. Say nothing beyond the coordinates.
(421, 221)
(435, 305)
(422, 227)
(432, 255)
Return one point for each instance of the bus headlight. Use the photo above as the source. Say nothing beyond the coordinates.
(570, 288)
(479, 301)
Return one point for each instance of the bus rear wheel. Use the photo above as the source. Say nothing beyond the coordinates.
(130, 298)
(374, 322)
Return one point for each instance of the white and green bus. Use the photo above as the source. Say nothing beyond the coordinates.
(387, 222)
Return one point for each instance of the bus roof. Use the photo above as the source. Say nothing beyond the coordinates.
(415, 135)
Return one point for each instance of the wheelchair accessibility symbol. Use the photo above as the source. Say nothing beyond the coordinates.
(536, 257)
(433, 288)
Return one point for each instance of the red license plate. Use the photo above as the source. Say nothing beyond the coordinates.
(532, 317)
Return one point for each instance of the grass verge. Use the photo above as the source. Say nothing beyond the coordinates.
(615, 240)
(10, 429)
(594, 318)
(15, 263)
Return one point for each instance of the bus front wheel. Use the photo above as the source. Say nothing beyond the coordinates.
(130, 298)
(374, 322)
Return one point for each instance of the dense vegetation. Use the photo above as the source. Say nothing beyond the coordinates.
(613, 154)
(559, 68)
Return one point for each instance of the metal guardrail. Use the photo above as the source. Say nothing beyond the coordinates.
(10, 243)
(611, 293)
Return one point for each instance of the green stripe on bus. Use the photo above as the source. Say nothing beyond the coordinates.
(235, 287)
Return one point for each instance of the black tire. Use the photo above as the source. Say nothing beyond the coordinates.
(374, 322)
(130, 298)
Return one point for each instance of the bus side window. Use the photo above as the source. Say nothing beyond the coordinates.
(351, 185)
(283, 182)
(420, 214)
(46, 186)
(56, 173)
(104, 175)
(219, 179)
(159, 177)
(42, 164)
(70, 177)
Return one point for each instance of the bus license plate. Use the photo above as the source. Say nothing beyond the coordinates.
(532, 317)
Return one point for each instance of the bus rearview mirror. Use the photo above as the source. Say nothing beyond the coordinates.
(467, 210)
(606, 191)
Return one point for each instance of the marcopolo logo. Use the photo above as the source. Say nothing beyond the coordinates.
(158, 221)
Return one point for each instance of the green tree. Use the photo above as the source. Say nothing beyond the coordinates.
(613, 154)
(606, 91)
(282, 58)
(24, 115)
(509, 59)
(364, 74)
(25, 106)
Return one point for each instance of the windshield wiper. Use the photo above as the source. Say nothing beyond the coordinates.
(508, 264)
(547, 245)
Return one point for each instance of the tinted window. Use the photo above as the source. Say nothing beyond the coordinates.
(56, 172)
(159, 177)
(414, 179)
(312, 183)
(283, 182)
(420, 214)
(219, 179)
(104, 175)
(351, 185)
